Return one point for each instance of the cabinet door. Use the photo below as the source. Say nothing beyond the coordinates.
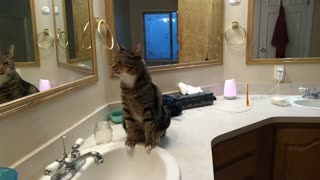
(297, 154)
(244, 157)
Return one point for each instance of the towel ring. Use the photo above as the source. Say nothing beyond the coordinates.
(83, 34)
(59, 39)
(100, 22)
(45, 33)
(235, 26)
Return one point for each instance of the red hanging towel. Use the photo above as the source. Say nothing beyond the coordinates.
(280, 37)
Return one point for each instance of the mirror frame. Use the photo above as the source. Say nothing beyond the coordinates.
(36, 62)
(23, 103)
(219, 61)
(69, 63)
(251, 60)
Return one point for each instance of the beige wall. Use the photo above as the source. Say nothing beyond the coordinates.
(27, 130)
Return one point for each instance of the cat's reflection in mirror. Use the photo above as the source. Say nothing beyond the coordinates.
(12, 86)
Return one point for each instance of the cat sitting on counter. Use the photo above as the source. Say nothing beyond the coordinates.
(146, 119)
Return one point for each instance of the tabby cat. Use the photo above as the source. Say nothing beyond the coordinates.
(145, 118)
(12, 86)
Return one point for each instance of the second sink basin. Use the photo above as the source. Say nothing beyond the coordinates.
(305, 103)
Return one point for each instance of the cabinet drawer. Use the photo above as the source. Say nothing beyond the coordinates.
(234, 149)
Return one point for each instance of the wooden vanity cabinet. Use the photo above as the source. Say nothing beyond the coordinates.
(271, 152)
(297, 153)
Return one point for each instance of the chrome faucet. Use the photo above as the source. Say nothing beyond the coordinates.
(67, 167)
(310, 94)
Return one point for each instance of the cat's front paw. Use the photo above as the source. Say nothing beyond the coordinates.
(149, 146)
(130, 145)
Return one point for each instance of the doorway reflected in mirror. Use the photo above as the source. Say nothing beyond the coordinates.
(17, 26)
(173, 33)
(284, 30)
(160, 34)
(73, 35)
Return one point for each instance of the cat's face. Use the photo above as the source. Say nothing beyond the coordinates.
(7, 64)
(127, 61)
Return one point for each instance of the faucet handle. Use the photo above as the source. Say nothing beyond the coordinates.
(53, 167)
(302, 89)
(75, 148)
(306, 91)
(315, 90)
(78, 143)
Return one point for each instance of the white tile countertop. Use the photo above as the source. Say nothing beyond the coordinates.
(190, 135)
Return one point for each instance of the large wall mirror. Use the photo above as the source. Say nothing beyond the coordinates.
(283, 31)
(73, 34)
(66, 50)
(173, 33)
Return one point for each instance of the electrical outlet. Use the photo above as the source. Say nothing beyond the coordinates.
(278, 72)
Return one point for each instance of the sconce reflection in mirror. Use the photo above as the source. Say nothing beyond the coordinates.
(85, 30)
(45, 36)
(101, 22)
(234, 2)
(61, 39)
(234, 31)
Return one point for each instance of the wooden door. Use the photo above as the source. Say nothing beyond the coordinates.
(198, 34)
(16, 28)
(297, 154)
(299, 24)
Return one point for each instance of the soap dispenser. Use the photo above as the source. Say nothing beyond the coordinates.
(103, 132)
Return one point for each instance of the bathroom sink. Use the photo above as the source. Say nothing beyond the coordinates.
(305, 103)
(136, 165)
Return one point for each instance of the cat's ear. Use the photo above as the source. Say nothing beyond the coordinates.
(120, 47)
(137, 50)
(11, 51)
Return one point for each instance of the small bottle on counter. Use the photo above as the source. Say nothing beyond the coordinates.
(103, 132)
